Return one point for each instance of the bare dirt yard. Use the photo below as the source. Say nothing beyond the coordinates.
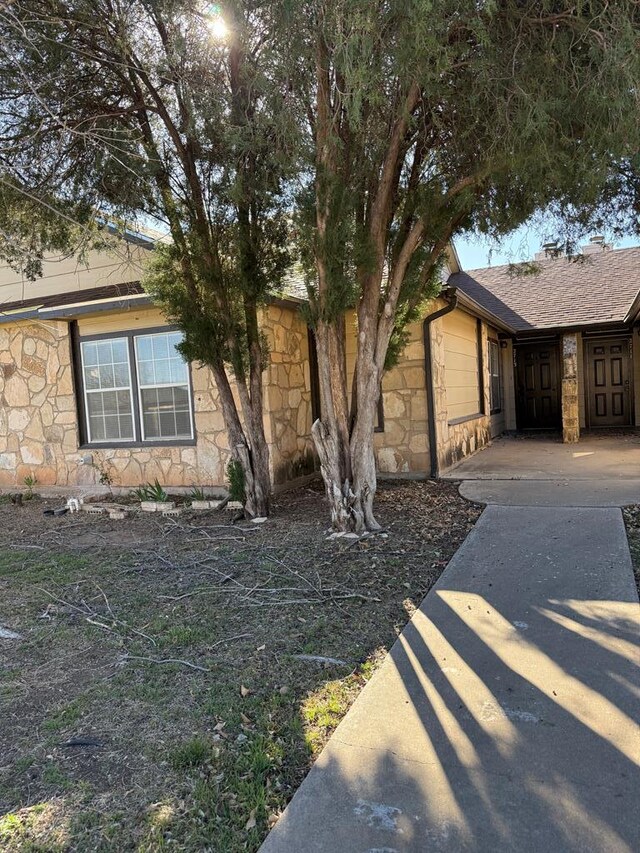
(632, 521)
(159, 697)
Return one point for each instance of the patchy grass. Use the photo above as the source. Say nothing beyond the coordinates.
(156, 701)
(631, 516)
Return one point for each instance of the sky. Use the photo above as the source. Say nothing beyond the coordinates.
(521, 246)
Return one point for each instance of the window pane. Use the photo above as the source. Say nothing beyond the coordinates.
(163, 371)
(110, 416)
(121, 374)
(103, 349)
(165, 412)
(160, 346)
(158, 361)
(89, 354)
(119, 351)
(146, 373)
(494, 371)
(144, 348)
(178, 370)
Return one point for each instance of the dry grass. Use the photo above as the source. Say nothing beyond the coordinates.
(106, 746)
(631, 516)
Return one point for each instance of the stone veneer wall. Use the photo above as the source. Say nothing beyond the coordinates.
(39, 425)
(403, 446)
(570, 394)
(38, 414)
(288, 395)
(455, 441)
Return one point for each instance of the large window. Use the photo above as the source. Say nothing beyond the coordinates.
(136, 389)
(495, 391)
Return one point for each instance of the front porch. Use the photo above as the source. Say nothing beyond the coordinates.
(575, 381)
(602, 470)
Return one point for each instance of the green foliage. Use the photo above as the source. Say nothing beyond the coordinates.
(105, 477)
(520, 108)
(150, 492)
(30, 482)
(197, 494)
(192, 753)
(235, 475)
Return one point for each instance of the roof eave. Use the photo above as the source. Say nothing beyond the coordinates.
(465, 301)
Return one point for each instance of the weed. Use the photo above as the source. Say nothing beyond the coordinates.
(30, 482)
(192, 753)
(197, 494)
(150, 492)
(52, 775)
(65, 717)
(236, 481)
(105, 477)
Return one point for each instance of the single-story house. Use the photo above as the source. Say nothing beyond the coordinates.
(91, 386)
(572, 362)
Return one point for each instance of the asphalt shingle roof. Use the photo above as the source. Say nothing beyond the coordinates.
(598, 288)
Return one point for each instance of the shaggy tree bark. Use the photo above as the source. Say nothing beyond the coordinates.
(479, 120)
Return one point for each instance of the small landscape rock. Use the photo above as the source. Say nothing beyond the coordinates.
(6, 634)
(259, 520)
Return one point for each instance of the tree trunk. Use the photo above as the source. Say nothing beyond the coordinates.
(248, 447)
(363, 461)
(347, 460)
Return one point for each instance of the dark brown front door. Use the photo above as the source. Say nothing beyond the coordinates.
(538, 395)
(608, 382)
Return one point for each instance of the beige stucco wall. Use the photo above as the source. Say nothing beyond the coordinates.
(508, 387)
(457, 440)
(460, 347)
(63, 275)
(581, 382)
(635, 344)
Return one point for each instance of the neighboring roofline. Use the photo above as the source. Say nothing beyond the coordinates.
(473, 307)
(116, 302)
(631, 316)
(453, 259)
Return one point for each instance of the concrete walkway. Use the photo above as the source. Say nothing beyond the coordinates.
(505, 716)
(601, 470)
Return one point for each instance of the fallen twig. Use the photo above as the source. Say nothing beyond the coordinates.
(166, 660)
(322, 659)
(229, 639)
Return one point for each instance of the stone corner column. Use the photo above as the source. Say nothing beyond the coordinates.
(570, 408)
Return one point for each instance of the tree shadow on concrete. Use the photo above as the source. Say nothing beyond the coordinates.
(485, 730)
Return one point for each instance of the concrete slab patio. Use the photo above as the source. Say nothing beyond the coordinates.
(505, 716)
(600, 470)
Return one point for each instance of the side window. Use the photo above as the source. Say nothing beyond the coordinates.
(495, 390)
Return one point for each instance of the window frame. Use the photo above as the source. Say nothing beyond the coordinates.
(83, 427)
(120, 442)
(142, 388)
(494, 410)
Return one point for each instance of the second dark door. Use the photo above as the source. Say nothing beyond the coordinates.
(609, 382)
(538, 397)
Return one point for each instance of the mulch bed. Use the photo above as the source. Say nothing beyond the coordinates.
(158, 699)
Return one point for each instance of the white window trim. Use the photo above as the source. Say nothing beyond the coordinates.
(87, 391)
(142, 387)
